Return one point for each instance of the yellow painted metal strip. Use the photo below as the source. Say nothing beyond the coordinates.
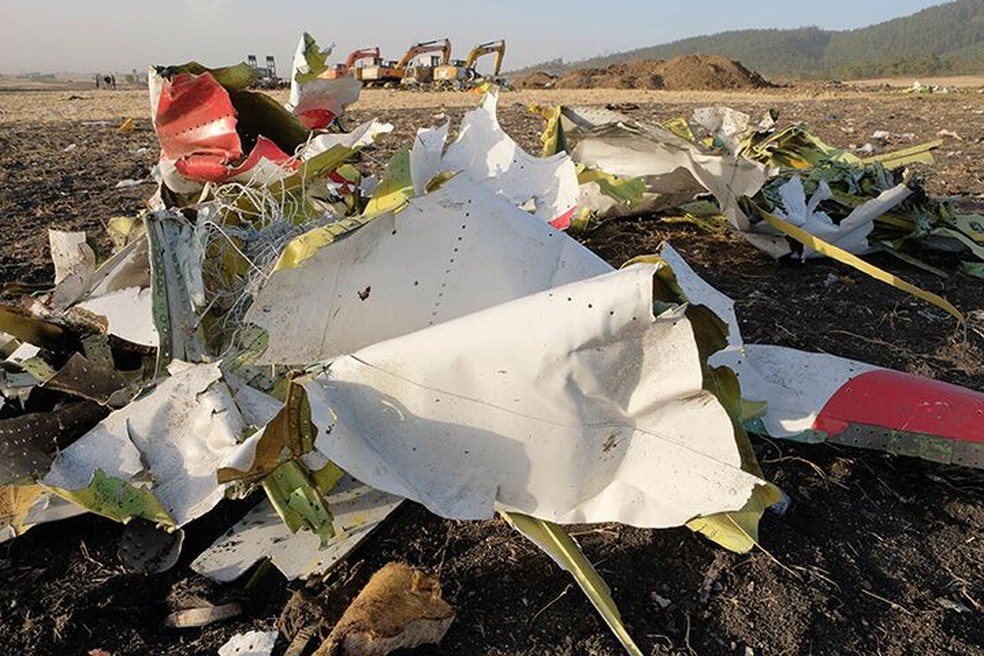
(839, 254)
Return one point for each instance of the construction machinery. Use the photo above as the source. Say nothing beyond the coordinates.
(266, 76)
(460, 73)
(347, 68)
(388, 73)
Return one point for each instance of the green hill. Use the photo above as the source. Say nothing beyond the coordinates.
(944, 39)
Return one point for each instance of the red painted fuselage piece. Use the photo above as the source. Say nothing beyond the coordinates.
(904, 402)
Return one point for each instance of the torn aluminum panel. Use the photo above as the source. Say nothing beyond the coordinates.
(89, 380)
(851, 234)
(356, 510)
(197, 121)
(251, 643)
(129, 314)
(15, 503)
(449, 253)
(699, 292)
(488, 156)
(671, 166)
(25, 506)
(587, 417)
(128, 267)
(315, 101)
(360, 137)
(176, 256)
(28, 441)
(727, 125)
(73, 258)
(146, 549)
(175, 438)
(817, 397)
(119, 291)
(319, 101)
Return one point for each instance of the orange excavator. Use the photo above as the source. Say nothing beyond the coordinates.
(462, 73)
(388, 73)
(346, 69)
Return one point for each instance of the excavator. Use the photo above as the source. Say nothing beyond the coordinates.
(389, 73)
(346, 69)
(463, 73)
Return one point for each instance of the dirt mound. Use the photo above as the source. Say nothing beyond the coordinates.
(535, 80)
(700, 72)
(632, 75)
(710, 72)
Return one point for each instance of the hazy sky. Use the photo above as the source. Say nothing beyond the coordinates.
(105, 35)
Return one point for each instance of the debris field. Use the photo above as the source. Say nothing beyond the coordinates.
(786, 538)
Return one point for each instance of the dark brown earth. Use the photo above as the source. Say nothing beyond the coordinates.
(693, 72)
(876, 554)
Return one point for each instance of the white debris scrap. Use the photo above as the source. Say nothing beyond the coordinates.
(449, 253)
(586, 418)
(485, 154)
(356, 510)
(251, 643)
(180, 434)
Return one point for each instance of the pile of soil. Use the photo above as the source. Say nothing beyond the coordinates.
(697, 72)
(535, 80)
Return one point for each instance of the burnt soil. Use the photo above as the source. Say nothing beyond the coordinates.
(875, 555)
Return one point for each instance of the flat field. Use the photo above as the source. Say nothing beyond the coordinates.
(875, 555)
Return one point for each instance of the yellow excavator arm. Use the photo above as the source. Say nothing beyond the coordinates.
(498, 47)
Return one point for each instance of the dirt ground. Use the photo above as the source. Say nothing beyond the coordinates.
(875, 555)
(690, 72)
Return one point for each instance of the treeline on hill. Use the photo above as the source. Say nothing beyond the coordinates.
(945, 39)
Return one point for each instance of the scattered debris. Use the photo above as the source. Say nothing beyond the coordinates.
(281, 321)
(126, 184)
(251, 643)
(193, 618)
(400, 608)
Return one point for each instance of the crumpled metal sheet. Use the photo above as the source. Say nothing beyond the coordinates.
(173, 440)
(851, 234)
(356, 511)
(71, 255)
(488, 156)
(194, 116)
(317, 101)
(196, 123)
(587, 417)
(818, 397)
(671, 166)
(360, 136)
(449, 253)
(251, 643)
(129, 313)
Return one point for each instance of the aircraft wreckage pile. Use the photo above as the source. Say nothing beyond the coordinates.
(277, 320)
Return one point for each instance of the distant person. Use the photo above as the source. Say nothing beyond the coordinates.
(113, 78)
(97, 80)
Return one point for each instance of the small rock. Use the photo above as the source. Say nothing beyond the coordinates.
(660, 600)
